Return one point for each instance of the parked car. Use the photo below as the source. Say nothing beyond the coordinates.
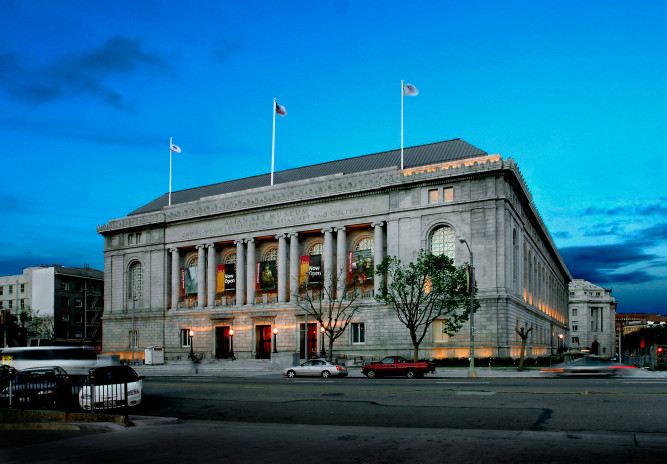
(316, 368)
(37, 386)
(106, 388)
(397, 366)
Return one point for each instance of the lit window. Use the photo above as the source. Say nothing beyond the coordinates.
(448, 193)
(231, 258)
(358, 332)
(442, 241)
(317, 249)
(433, 196)
(271, 255)
(365, 244)
(439, 332)
(186, 339)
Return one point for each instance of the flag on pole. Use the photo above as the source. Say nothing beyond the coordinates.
(175, 148)
(410, 90)
(280, 110)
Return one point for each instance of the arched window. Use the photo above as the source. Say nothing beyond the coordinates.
(365, 244)
(316, 249)
(442, 241)
(136, 280)
(193, 261)
(271, 254)
(230, 258)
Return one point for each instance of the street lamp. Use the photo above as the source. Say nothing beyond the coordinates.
(231, 343)
(323, 353)
(191, 333)
(471, 369)
(561, 348)
(275, 332)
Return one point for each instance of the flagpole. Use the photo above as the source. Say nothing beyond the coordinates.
(402, 92)
(170, 144)
(273, 140)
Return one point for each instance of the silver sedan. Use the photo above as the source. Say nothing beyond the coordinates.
(316, 368)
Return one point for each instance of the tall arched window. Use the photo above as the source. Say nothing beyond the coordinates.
(230, 258)
(271, 255)
(317, 249)
(442, 241)
(136, 280)
(365, 244)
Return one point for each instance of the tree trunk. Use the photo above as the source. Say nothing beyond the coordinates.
(331, 343)
(523, 354)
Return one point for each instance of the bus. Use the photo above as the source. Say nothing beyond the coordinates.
(76, 360)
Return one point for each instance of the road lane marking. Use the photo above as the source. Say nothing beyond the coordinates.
(466, 382)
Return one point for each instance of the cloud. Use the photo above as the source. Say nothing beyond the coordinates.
(562, 235)
(224, 49)
(648, 210)
(603, 264)
(76, 74)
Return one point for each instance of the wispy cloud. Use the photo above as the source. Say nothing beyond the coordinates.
(226, 48)
(646, 210)
(84, 73)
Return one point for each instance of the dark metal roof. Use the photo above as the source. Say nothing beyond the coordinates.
(421, 155)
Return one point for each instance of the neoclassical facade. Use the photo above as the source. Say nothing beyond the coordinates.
(592, 318)
(229, 261)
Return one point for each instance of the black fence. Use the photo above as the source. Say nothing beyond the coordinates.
(70, 393)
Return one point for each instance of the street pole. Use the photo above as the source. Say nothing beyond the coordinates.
(132, 337)
(471, 368)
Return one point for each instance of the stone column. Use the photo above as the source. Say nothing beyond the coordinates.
(282, 268)
(201, 276)
(294, 264)
(175, 278)
(378, 255)
(341, 261)
(328, 259)
(251, 272)
(211, 275)
(240, 272)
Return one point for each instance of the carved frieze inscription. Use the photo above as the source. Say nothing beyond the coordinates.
(284, 217)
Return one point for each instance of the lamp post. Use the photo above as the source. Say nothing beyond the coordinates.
(231, 343)
(471, 369)
(275, 332)
(191, 333)
(323, 353)
(561, 348)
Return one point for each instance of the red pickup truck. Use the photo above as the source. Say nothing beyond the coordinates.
(397, 365)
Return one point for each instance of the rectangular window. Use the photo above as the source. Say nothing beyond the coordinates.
(574, 312)
(1, 304)
(134, 339)
(449, 193)
(78, 303)
(78, 286)
(433, 196)
(11, 304)
(130, 239)
(77, 334)
(358, 332)
(138, 238)
(575, 341)
(186, 339)
(22, 288)
(22, 304)
(64, 317)
(439, 334)
(64, 285)
(11, 288)
(2, 290)
(575, 326)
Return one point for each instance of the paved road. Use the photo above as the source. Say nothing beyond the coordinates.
(266, 417)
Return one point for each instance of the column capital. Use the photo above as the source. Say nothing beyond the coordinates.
(293, 234)
(240, 240)
(249, 240)
(279, 236)
(328, 229)
(209, 245)
(339, 229)
(377, 224)
(200, 246)
(173, 250)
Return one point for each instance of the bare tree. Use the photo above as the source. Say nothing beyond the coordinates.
(332, 307)
(523, 333)
(427, 289)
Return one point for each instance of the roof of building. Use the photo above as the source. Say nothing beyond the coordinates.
(421, 155)
(581, 283)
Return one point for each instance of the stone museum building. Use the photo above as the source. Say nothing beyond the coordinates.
(229, 261)
(592, 318)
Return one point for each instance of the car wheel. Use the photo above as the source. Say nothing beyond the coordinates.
(411, 374)
(291, 374)
(326, 374)
(371, 374)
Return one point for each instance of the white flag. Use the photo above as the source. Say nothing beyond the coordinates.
(410, 90)
(175, 148)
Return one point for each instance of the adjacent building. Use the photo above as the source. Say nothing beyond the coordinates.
(73, 297)
(229, 261)
(592, 318)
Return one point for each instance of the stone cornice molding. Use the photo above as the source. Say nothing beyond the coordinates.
(313, 190)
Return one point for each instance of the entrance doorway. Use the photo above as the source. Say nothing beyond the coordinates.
(263, 337)
(312, 340)
(595, 348)
(222, 343)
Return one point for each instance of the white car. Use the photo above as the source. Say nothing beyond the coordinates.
(109, 386)
(316, 368)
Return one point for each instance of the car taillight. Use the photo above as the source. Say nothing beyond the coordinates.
(339, 368)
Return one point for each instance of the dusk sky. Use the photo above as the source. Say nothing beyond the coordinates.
(575, 92)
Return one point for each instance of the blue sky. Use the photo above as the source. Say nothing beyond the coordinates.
(90, 93)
